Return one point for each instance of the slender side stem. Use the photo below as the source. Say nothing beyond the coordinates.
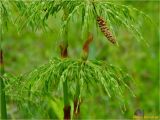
(77, 103)
(2, 86)
(76, 107)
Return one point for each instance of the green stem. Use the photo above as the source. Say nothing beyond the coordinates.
(2, 86)
(96, 14)
(51, 110)
(65, 92)
(67, 107)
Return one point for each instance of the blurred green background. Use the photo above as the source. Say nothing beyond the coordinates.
(27, 50)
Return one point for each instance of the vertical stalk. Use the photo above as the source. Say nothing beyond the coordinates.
(67, 107)
(3, 110)
(64, 54)
(2, 86)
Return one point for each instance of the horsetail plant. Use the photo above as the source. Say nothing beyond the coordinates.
(80, 75)
(6, 11)
(4, 18)
(2, 86)
(66, 78)
(38, 12)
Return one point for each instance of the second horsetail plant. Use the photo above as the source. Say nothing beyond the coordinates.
(65, 78)
(81, 77)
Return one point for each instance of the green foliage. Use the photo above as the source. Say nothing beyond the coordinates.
(7, 9)
(32, 13)
(36, 13)
(4, 15)
(83, 76)
(46, 82)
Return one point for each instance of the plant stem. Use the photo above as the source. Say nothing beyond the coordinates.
(67, 107)
(64, 54)
(2, 86)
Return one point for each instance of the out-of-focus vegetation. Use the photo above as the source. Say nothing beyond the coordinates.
(26, 50)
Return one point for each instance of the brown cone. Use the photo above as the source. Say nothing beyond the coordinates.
(105, 30)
